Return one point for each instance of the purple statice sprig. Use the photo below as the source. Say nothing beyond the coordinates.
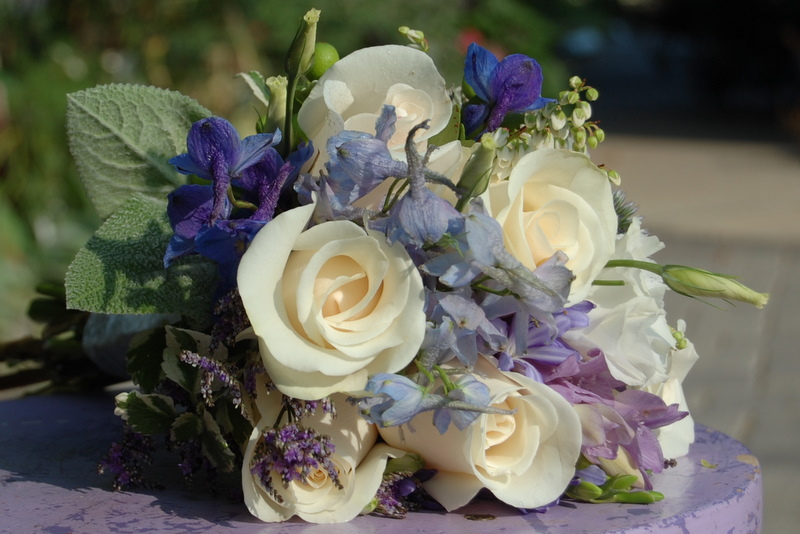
(297, 409)
(401, 488)
(292, 453)
(127, 458)
(214, 369)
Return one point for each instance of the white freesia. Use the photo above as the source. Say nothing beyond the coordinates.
(330, 305)
(629, 323)
(557, 200)
(360, 465)
(676, 438)
(352, 93)
(525, 458)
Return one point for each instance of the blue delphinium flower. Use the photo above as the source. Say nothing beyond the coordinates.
(513, 85)
(397, 399)
(204, 219)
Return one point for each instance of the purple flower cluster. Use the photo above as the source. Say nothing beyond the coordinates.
(209, 219)
(292, 453)
(213, 369)
(126, 459)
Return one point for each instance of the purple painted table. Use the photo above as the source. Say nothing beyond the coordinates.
(49, 447)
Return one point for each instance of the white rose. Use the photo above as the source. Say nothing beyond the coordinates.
(676, 438)
(629, 323)
(360, 467)
(525, 458)
(557, 200)
(330, 305)
(352, 93)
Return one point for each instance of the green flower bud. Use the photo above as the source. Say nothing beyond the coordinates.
(600, 134)
(575, 82)
(475, 176)
(276, 115)
(301, 54)
(578, 116)
(592, 142)
(558, 120)
(573, 98)
(586, 108)
(416, 37)
(592, 94)
(694, 282)
(614, 177)
(579, 135)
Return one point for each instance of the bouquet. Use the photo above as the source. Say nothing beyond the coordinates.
(396, 293)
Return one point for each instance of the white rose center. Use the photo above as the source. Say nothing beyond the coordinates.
(500, 443)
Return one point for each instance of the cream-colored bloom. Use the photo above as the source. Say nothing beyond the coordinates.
(676, 438)
(629, 323)
(352, 93)
(526, 458)
(360, 465)
(557, 200)
(330, 305)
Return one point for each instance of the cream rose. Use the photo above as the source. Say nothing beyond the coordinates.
(359, 464)
(330, 305)
(557, 200)
(525, 458)
(352, 93)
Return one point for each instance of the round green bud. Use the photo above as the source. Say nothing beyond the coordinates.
(573, 98)
(600, 134)
(592, 94)
(592, 142)
(325, 55)
(575, 82)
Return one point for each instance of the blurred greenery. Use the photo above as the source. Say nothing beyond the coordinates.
(51, 48)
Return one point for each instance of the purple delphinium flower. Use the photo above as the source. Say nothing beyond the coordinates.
(421, 216)
(513, 85)
(203, 218)
(215, 153)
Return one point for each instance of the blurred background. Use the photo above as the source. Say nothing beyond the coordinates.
(700, 102)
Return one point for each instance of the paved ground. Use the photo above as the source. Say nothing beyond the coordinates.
(732, 207)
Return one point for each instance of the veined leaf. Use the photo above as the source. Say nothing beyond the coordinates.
(121, 268)
(122, 138)
(150, 414)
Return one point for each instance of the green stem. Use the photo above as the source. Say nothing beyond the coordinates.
(608, 283)
(286, 144)
(448, 384)
(636, 264)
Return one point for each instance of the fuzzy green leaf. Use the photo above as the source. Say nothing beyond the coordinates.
(150, 414)
(121, 269)
(122, 138)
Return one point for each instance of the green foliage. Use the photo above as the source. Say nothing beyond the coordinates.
(121, 269)
(618, 488)
(122, 138)
(149, 413)
(214, 446)
(144, 358)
